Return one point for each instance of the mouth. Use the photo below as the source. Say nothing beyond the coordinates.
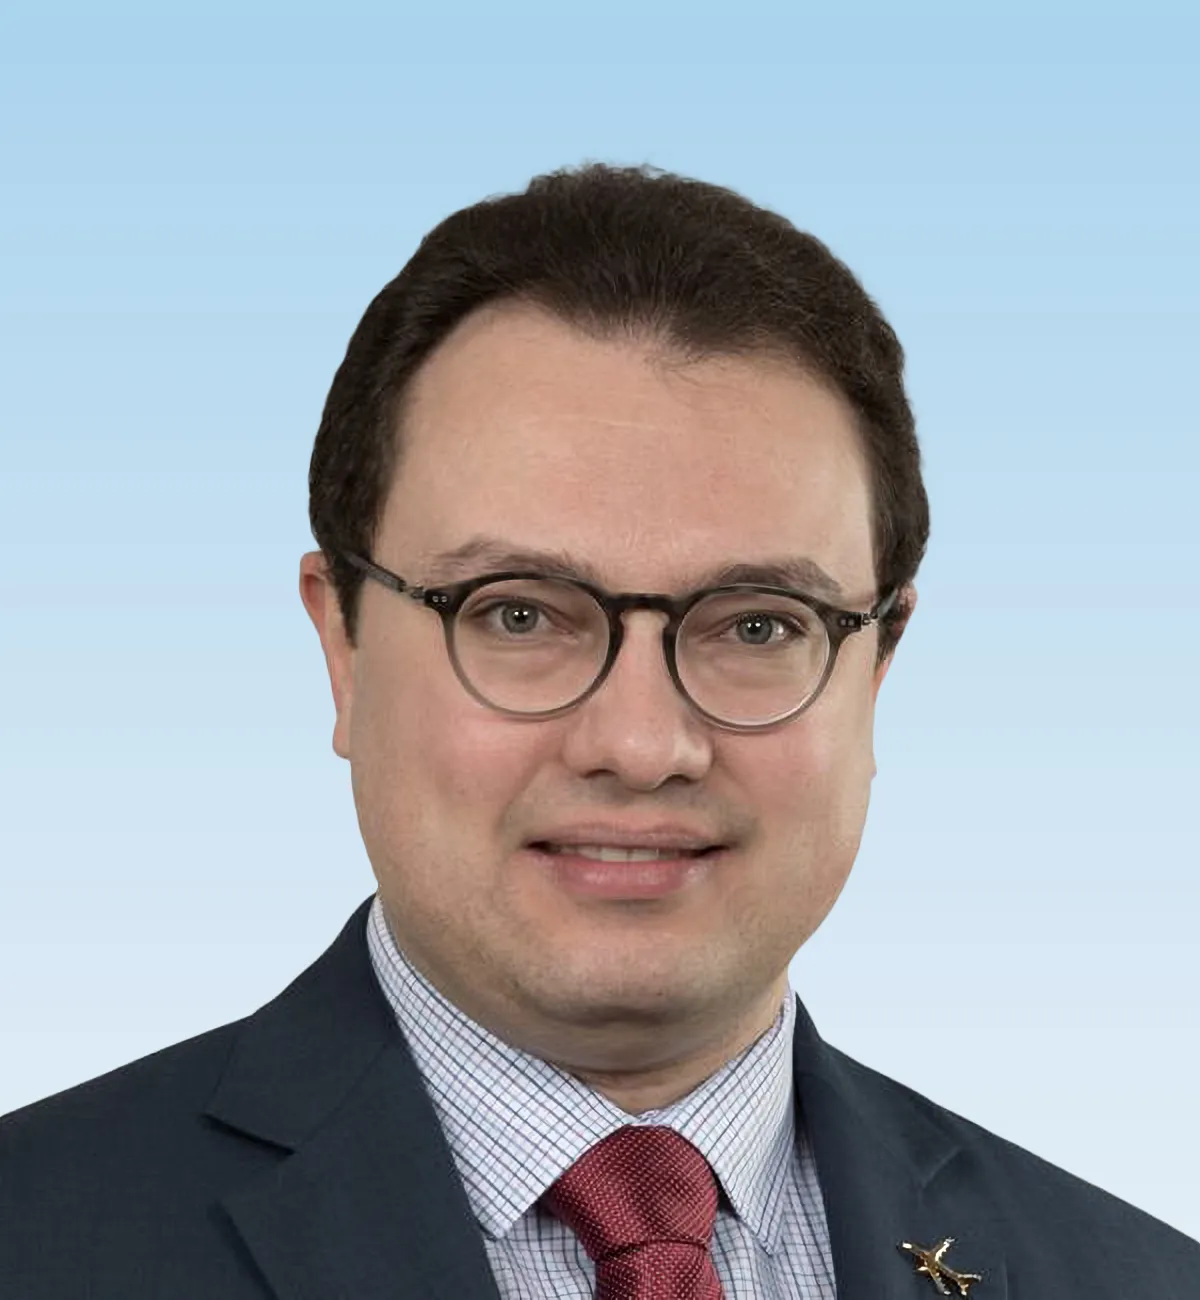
(615, 853)
(623, 874)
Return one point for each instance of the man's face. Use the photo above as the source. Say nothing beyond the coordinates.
(523, 430)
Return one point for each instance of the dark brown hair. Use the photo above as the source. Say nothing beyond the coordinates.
(621, 250)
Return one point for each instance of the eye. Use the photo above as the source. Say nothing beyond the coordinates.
(517, 617)
(766, 629)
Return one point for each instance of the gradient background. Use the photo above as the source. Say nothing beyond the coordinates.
(197, 207)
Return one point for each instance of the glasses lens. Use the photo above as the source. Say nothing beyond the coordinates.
(530, 644)
(750, 657)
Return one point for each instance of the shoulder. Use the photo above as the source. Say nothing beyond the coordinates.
(171, 1080)
(1040, 1203)
(113, 1182)
(131, 1112)
(142, 1124)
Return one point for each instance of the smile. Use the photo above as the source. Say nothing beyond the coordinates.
(607, 853)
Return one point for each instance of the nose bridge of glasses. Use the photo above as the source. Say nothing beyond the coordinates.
(647, 602)
(653, 648)
(642, 602)
(631, 601)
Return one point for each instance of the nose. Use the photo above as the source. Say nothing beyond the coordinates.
(637, 726)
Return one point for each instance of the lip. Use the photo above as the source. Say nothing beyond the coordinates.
(657, 835)
(623, 881)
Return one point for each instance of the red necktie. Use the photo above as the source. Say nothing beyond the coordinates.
(643, 1203)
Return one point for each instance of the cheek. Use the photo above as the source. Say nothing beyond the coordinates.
(813, 787)
(477, 762)
(434, 774)
(818, 759)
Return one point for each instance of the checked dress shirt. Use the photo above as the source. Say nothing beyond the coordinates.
(514, 1124)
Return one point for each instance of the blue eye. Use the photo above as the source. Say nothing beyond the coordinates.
(767, 629)
(518, 618)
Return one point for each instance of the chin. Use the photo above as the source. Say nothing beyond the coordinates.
(627, 1006)
(616, 988)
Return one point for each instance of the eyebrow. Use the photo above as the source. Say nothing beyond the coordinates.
(493, 554)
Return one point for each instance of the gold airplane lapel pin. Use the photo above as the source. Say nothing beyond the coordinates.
(929, 1262)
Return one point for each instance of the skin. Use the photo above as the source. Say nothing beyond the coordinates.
(652, 470)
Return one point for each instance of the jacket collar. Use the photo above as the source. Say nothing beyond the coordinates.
(890, 1172)
(367, 1202)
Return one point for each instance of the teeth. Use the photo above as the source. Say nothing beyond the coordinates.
(605, 853)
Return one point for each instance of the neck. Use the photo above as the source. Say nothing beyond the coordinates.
(636, 1091)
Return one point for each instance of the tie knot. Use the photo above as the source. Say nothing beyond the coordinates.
(638, 1186)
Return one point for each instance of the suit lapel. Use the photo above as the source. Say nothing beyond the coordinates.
(367, 1203)
(369, 1207)
(888, 1174)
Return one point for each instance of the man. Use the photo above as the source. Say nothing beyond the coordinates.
(619, 510)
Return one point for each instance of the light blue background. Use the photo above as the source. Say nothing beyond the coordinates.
(196, 209)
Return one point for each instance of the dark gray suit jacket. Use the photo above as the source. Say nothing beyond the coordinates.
(295, 1155)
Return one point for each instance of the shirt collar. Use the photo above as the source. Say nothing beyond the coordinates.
(515, 1123)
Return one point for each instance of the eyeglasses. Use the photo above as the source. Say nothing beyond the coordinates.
(744, 656)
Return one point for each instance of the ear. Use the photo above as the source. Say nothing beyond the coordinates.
(320, 599)
(906, 602)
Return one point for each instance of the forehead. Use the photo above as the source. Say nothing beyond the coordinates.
(524, 428)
